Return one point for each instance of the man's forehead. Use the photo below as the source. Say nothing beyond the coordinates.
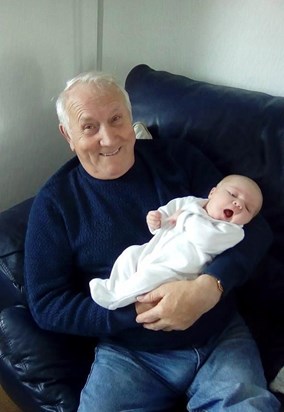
(85, 96)
(87, 90)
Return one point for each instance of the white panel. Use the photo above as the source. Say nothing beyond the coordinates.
(237, 42)
(43, 43)
(234, 42)
(142, 31)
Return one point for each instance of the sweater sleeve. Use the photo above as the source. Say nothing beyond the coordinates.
(236, 265)
(54, 291)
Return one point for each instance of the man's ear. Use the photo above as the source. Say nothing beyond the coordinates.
(66, 136)
(211, 192)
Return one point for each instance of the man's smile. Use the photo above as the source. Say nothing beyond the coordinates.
(111, 153)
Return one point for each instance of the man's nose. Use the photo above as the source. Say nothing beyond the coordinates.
(106, 135)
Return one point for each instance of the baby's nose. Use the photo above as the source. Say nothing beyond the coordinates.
(237, 204)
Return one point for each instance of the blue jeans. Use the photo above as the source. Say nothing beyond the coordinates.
(224, 375)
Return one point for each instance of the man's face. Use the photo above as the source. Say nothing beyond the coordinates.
(100, 131)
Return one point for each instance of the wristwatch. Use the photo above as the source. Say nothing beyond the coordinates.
(219, 285)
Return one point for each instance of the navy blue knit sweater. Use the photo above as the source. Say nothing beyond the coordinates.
(79, 225)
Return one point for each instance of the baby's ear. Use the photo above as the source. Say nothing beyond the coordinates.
(211, 192)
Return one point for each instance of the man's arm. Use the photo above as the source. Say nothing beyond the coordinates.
(178, 305)
(55, 288)
(235, 266)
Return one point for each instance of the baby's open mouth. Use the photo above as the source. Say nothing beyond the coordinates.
(228, 213)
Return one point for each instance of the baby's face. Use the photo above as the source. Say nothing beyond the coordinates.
(236, 201)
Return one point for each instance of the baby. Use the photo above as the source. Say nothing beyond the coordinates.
(188, 233)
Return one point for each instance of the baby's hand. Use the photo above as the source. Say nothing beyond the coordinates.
(154, 218)
(173, 218)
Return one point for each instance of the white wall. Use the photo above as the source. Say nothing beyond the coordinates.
(42, 44)
(233, 42)
(45, 42)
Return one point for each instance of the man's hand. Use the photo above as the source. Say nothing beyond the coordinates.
(144, 307)
(177, 305)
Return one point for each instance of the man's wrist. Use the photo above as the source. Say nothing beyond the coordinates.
(215, 282)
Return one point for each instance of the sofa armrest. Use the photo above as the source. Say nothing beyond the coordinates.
(43, 371)
(13, 224)
(39, 370)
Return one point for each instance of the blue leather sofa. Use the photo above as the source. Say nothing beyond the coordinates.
(242, 132)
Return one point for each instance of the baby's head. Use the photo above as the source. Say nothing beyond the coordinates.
(236, 199)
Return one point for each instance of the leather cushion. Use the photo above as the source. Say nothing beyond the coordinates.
(13, 223)
(52, 367)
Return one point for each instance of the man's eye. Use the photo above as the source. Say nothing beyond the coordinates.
(116, 118)
(89, 128)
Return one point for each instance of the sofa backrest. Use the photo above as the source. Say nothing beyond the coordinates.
(241, 131)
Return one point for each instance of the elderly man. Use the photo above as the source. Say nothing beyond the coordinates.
(179, 339)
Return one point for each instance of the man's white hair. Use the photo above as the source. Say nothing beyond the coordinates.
(101, 80)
